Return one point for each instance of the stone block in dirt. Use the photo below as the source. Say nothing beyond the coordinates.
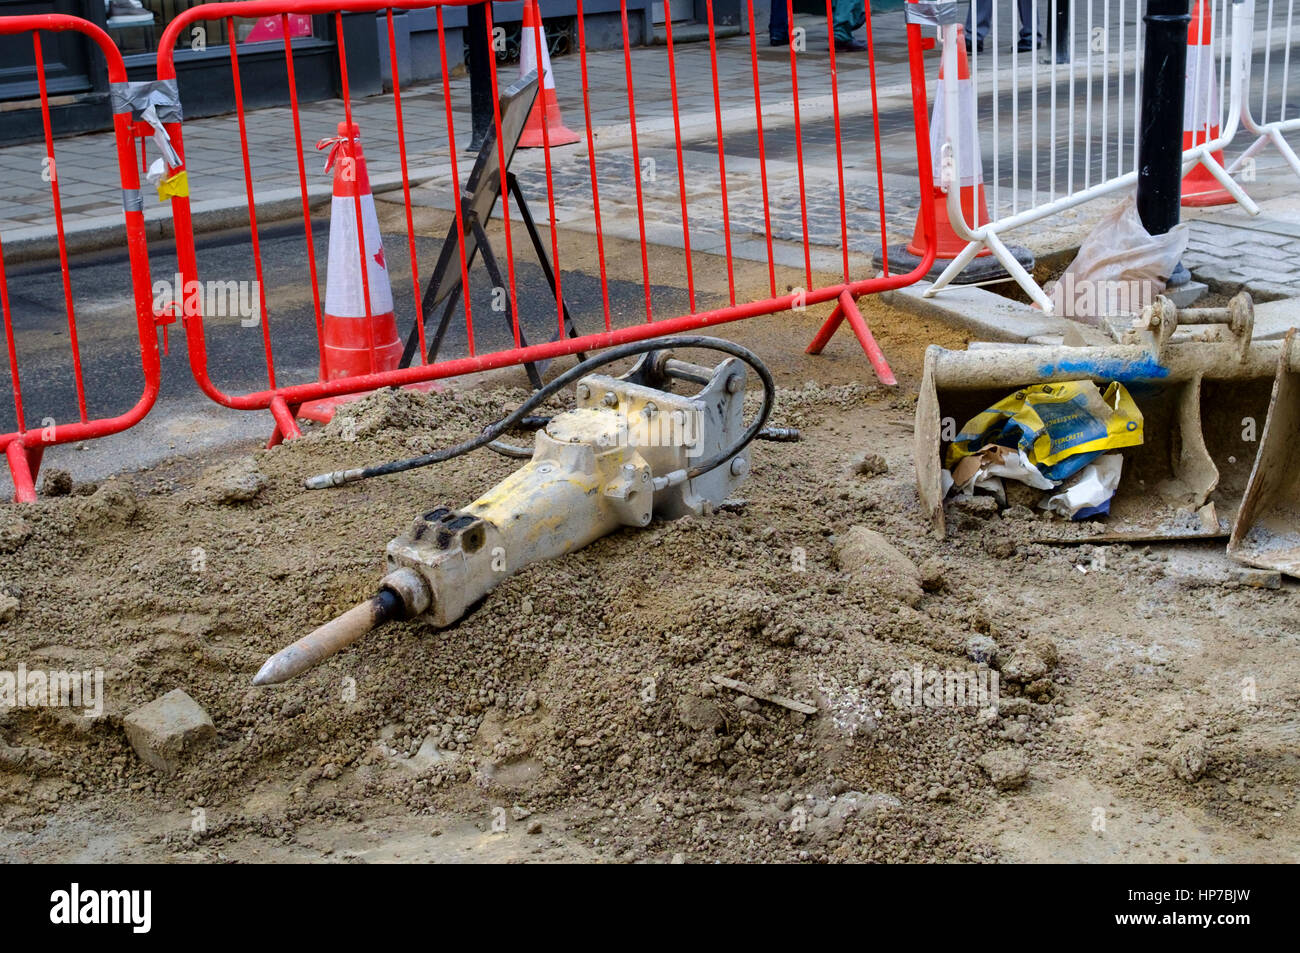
(168, 729)
(871, 559)
(1032, 661)
(1189, 757)
(999, 547)
(868, 464)
(979, 505)
(24, 759)
(699, 714)
(56, 482)
(112, 504)
(1007, 768)
(982, 648)
(239, 482)
(933, 574)
(8, 607)
(14, 531)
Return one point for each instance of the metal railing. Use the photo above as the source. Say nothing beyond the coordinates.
(1057, 112)
(714, 200)
(285, 400)
(1271, 123)
(25, 445)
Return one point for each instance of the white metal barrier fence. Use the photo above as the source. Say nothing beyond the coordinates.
(1272, 93)
(1048, 115)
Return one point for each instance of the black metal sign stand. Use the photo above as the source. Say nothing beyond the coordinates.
(448, 297)
(477, 201)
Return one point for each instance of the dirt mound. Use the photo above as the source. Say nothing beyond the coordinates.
(579, 699)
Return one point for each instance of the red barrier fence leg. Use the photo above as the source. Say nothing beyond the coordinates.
(847, 307)
(827, 331)
(24, 482)
(34, 457)
(286, 422)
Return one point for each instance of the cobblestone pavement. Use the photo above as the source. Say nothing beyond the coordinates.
(1231, 250)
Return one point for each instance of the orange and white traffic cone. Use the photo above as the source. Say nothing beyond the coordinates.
(358, 337)
(546, 108)
(353, 343)
(1201, 111)
(969, 178)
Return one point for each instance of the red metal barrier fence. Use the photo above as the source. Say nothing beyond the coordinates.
(284, 400)
(160, 102)
(24, 446)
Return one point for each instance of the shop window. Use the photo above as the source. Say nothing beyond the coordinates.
(137, 25)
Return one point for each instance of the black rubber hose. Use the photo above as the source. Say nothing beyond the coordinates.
(511, 450)
(492, 432)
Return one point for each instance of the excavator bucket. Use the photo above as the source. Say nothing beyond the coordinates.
(1266, 532)
(1198, 382)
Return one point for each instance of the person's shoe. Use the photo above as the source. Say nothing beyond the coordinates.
(1027, 45)
(850, 46)
(979, 45)
(778, 40)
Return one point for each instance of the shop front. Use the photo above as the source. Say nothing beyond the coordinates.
(78, 86)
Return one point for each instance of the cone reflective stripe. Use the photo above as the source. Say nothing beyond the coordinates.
(1201, 110)
(546, 108)
(969, 177)
(357, 339)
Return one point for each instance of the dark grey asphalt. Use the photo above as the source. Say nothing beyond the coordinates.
(236, 360)
(184, 420)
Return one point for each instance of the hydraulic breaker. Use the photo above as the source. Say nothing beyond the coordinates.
(621, 457)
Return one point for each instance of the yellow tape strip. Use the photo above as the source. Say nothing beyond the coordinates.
(174, 185)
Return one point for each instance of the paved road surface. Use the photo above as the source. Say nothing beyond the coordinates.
(184, 420)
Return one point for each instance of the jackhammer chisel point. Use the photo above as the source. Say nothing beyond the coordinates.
(272, 672)
(330, 638)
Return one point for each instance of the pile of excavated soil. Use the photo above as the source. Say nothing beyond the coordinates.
(1147, 710)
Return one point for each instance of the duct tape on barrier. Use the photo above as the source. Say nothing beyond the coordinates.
(173, 185)
(135, 98)
(933, 12)
(154, 102)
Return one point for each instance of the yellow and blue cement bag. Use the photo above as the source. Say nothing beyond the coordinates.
(1060, 427)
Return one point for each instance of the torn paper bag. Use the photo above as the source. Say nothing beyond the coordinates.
(987, 467)
(1088, 492)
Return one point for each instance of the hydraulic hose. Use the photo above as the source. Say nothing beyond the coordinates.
(492, 432)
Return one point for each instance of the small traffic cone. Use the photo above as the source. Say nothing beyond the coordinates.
(546, 108)
(351, 343)
(356, 339)
(969, 179)
(1201, 112)
(984, 268)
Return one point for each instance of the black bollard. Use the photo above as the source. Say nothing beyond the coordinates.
(1160, 135)
(1061, 30)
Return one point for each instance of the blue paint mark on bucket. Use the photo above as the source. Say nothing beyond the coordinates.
(1145, 368)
